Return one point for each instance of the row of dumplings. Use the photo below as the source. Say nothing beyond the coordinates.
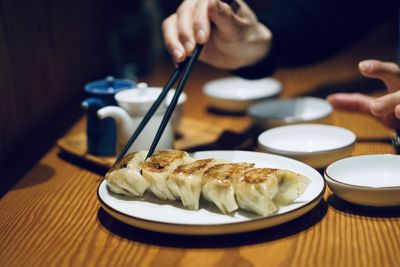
(173, 174)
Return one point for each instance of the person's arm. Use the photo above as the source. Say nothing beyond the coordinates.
(306, 31)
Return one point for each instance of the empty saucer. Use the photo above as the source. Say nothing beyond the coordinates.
(371, 180)
(236, 94)
(314, 144)
(278, 112)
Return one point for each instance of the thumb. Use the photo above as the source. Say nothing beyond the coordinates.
(216, 11)
(388, 72)
(353, 102)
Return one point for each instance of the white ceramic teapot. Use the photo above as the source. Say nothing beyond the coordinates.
(133, 105)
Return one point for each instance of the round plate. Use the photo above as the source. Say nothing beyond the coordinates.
(315, 144)
(171, 217)
(278, 112)
(370, 180)
(306, 138)
(237, 94)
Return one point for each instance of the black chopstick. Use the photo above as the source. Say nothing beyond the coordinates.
(188, 67)
(151, 111)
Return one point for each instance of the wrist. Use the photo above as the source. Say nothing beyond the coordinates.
(262, 68)
(259, 42)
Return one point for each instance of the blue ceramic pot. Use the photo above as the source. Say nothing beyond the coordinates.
(101, 134)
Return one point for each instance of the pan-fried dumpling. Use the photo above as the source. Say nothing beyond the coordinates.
(125, 178)
(256, 190)
(219, 184)
(186, 182)
(292, 186)
(158, 167)
(263, 190)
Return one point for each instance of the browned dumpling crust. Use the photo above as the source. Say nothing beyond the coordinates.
(123, 163)
(219, 183)
(125, 177)
(164, 160)
(228, 172)
(260, 175)
(196, 167)
(159, 166)
(186, 182)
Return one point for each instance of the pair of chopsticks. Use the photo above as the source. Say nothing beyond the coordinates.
(184, 69)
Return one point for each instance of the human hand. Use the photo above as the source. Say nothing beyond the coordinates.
(385, 108)
(231, 40)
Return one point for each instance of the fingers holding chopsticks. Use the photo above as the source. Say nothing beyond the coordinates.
(191, 24)
(178, 30)
(231, 34)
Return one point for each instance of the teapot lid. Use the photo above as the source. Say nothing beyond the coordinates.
(109, 85)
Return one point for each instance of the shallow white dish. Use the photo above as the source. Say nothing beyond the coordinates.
(315, 144)
(371, 180)
(171, 217)
(279, 112)
(237, 94)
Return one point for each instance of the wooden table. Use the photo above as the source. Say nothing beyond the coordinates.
(52, 216)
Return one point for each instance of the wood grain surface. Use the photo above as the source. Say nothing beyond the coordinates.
(52, 216)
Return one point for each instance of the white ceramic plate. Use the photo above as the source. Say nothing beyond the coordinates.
(371, 180)
(237, 94)
(315, 144)
(279, 112)
(171, 217)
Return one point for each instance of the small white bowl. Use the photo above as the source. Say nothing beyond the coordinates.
(236, 94)
(279, 112)
(314, 144)
(370, 180)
